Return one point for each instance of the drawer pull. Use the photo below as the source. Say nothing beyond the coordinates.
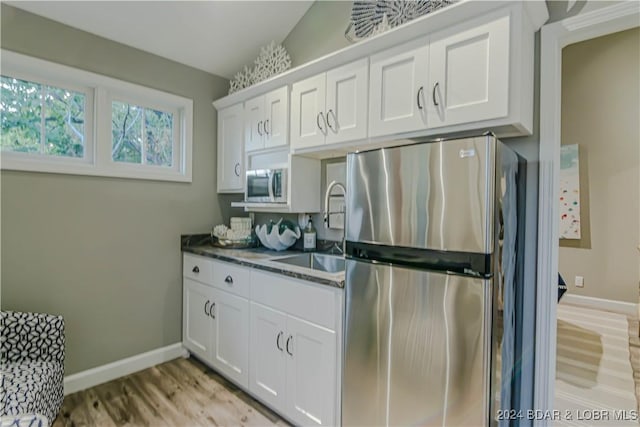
(229, 280)
(278, 341)
(196, 269)
(288, 341)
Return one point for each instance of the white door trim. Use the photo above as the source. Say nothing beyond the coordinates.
(554, 37)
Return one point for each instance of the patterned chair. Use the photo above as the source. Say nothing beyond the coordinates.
(31, 368)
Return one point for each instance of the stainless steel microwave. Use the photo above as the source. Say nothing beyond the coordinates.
(266, 186)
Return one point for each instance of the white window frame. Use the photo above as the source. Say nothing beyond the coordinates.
(100, 91)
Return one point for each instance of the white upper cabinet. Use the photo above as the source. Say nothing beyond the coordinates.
(331, 107)
(396, 93)
(267, 120)
(469, 74)
(308, 98)
(276, 126)
(468, 68)
(230, 149)
(347, 93)
(254, 119)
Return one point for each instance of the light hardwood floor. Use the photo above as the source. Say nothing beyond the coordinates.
(182, 392)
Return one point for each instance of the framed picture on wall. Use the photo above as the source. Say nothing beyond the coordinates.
(569, 192)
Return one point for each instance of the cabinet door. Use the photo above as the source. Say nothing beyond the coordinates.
(276, 125)
(231, 336)
(197, 323)
(469, 74)
(396, 92)
(268, 358)
(311, 373)
(308, 121)
(347, 102)
(253, 124)
(230, 149)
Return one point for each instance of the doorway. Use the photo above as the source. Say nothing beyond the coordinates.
(555, 37)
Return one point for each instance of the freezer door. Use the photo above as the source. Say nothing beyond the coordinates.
(416, 348)
(437, 195)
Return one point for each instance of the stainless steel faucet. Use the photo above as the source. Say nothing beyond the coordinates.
(327, 212)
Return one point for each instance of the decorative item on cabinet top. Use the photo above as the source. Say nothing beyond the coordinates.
(273, 59)
(369, 18)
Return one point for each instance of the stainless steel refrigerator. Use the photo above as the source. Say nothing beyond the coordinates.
(433, 236)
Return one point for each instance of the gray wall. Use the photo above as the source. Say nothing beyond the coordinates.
(600, 110)
(320, 31)
(105, 252)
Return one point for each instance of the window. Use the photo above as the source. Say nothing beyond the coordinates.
(141, 135)
(48, 113)
(42, 119)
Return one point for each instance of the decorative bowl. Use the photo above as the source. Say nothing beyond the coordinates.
(275, 239)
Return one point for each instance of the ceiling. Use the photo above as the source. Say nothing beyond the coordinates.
(219, 37)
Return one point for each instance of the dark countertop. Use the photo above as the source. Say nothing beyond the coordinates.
(260, 258)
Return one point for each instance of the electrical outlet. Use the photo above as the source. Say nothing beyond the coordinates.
(579, 282)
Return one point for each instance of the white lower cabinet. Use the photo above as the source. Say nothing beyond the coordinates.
(197, 324)
(216, 328)
(293, 366)
(267, 378)
(276, 337)
(230, 350)
(311, 373)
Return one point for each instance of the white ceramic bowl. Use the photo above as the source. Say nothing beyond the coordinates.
(275, 240)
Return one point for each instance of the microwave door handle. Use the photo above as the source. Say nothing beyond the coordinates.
(271, 184)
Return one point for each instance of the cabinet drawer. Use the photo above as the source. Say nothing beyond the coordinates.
(305, 300)
(230, 278)
(197, 268)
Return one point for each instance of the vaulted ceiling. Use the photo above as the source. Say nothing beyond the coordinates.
(215, 36)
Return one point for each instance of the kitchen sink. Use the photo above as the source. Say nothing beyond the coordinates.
(320, 262)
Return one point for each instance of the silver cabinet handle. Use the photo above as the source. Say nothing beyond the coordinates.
(196, 269)
(420, 91)
(259, 131)
(433, 95)
(236, 169)
(211, 313)
(206, 310)
(266, 123)
(321, 116)
(335, 120)
(287, 345)
(229, 280)
(278, 341)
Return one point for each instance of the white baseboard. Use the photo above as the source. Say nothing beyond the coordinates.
(111, 371)
(627, 308)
